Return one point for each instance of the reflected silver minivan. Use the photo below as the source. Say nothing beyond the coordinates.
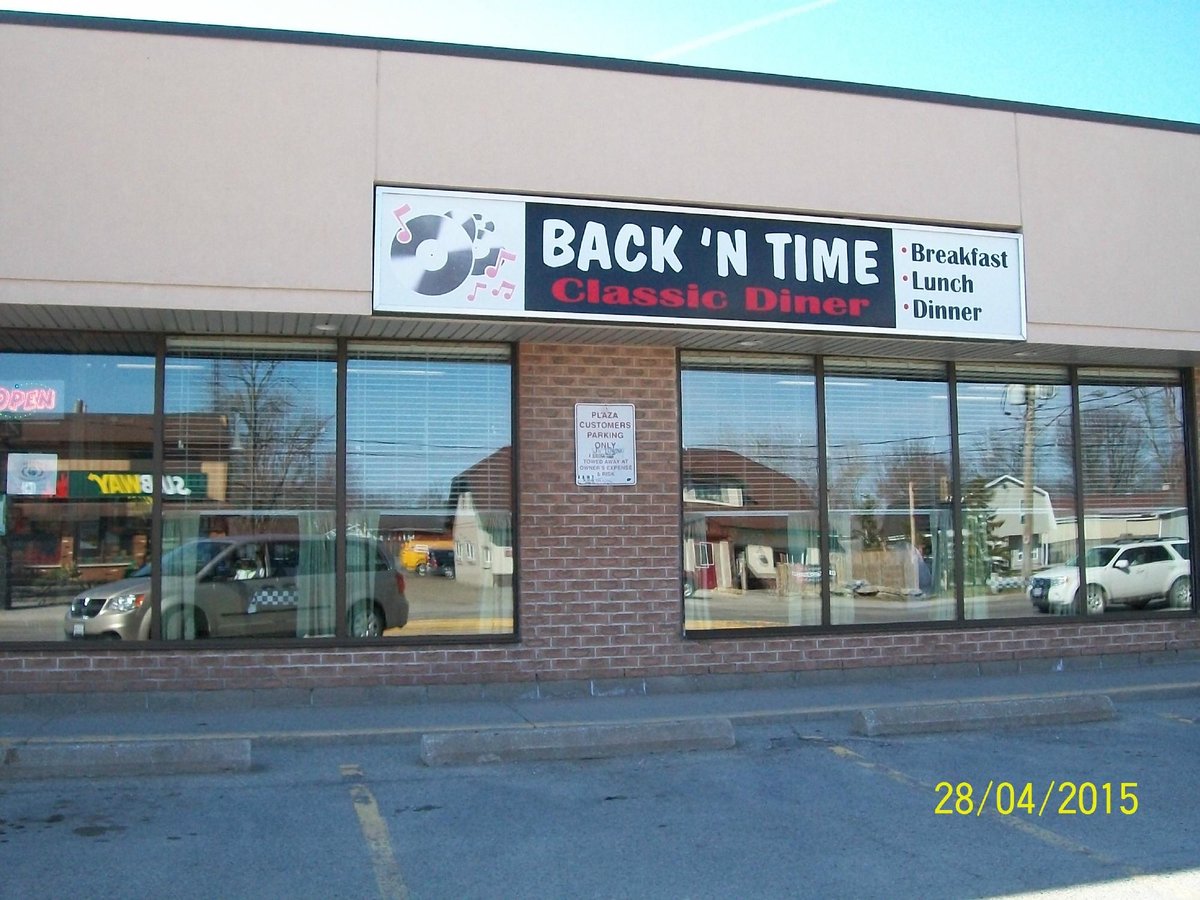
(248, 586)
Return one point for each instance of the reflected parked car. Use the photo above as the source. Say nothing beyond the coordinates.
(248, 586)
(1130, 573)
(439, 562)
(414, 555)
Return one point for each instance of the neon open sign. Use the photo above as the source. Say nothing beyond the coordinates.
(30, 397)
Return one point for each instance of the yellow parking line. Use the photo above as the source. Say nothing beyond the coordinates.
(379, 841)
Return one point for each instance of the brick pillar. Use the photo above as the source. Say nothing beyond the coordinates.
(599, 576)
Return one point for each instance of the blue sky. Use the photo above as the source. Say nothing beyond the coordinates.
(1133, 57)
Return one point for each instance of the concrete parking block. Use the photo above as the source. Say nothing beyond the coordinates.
(63, 759)
(982, 714)
(575, 741)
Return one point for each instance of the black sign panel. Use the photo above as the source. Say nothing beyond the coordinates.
(645, 262)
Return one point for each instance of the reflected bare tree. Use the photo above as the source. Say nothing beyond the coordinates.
(914, 474)
(1001, 451)
(276, 453)
(849, 468)
(1114, 441)
(1162, 410)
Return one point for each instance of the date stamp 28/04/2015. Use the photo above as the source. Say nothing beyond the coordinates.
(1061, 798)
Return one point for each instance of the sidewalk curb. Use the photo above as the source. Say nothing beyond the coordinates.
(982, 715)
(83, 755)
(575, 741)
(85, 758)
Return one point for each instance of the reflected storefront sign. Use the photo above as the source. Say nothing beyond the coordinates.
(92, 484)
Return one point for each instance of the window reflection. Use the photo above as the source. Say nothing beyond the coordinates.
(76, 434)
(1134, 493)
(751, 549)
(253, 428)
(1017, 447)
(889, 494)
(751, 523)
(250, 471)
(429, 470)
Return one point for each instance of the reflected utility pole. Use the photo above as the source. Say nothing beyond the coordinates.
(1027, 498)
(1028, 396)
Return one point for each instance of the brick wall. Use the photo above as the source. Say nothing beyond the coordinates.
(598, 583)
(565, 658)
(599, 565)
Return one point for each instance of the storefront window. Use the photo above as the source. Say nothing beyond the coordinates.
(1018, 486)
(429, 470)
(1031, 441)
(888, 431)
(1134, 492)
(751, 548)
(249, 522)
(1052, 462)
(77, 441)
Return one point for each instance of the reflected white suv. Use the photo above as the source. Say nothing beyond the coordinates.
(1130, 573)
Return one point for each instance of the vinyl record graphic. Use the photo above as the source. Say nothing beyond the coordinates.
(436, 259)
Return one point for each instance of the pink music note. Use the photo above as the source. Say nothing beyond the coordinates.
(403, 235)
(508, 287)
(493, 270)
(475, 290)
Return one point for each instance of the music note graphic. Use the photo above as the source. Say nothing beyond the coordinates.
(493, 270)
(475, 290)
(507, 287)
(403, 236)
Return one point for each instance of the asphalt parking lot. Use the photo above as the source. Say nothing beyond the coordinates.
(802, 808)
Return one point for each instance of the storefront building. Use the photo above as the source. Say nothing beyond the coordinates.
(333, 362)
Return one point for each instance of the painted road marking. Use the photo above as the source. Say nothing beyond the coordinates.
(375, 831)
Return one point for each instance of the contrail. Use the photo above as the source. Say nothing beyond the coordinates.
(734, 31)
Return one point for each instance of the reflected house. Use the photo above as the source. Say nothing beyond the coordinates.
(1145, 515)
(1108, 517)
(1007, 497)
(481, 499)
(743, 521)
(1111, 517)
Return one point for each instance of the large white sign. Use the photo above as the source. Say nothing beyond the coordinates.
(470, 254)
(605, 443)
(32, 474)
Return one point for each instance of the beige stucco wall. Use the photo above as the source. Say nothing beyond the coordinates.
(207, 172)
(1111, 217)
(150, 160)
(561, 131)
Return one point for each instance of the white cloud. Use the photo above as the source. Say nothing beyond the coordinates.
(735, 30)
